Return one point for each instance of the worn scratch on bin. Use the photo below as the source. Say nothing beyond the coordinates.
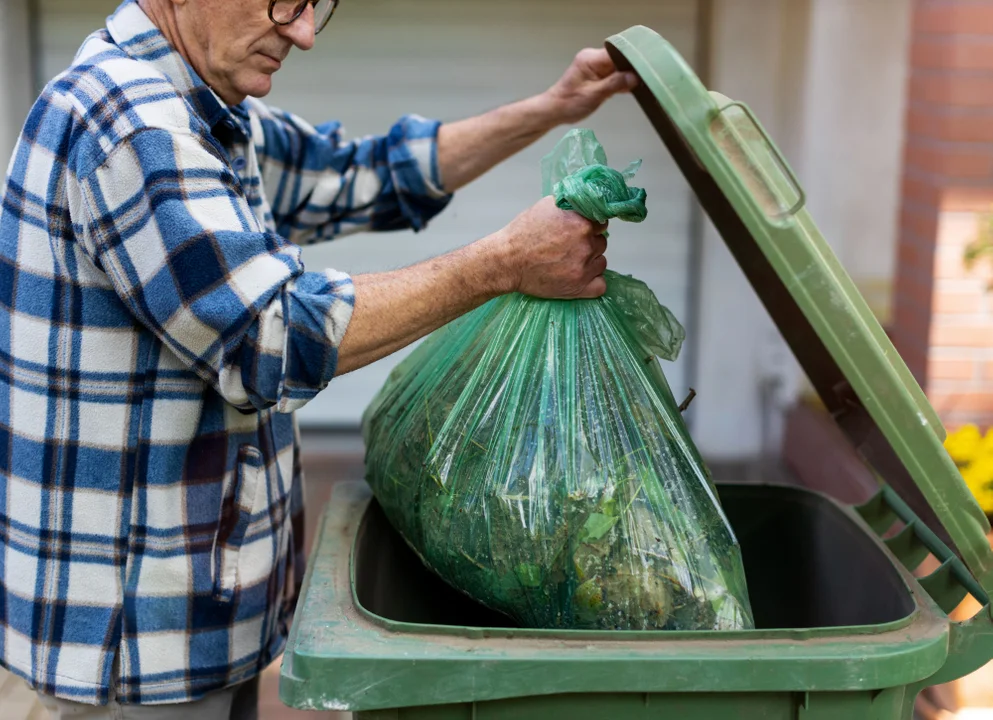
(322, 703)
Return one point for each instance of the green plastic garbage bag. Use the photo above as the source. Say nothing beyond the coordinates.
(533, 456)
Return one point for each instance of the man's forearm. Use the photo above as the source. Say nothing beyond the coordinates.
(470, 148)
(395, 309)
(544, 252)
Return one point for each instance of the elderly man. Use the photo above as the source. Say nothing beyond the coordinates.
(158, 330)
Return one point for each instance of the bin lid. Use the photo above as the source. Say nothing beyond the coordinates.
(755, 201)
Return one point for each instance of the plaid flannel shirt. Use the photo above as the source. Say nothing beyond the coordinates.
(157, 329)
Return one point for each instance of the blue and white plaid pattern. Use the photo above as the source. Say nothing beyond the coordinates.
(157, 329)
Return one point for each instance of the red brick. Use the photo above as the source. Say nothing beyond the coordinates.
(924, 157)
(951, 160)
(916, 362)
(912, 347)
(949, 88)
(957, 230)
(949, 264)
(952, 18)
(919, 124)
(922, 297)
(917, 251)
(967, 199)
(967, 127)
(966, 163)
(962, 286)
(961, 402)
(924, 246)
(903, 336)
(908, 256)
(913, 295)
(923, 222)
(973, 335)
(911, 315)
(957, 303)
(918, 192)
(949, 125)
(941, 369)
(953, 421)
(953, 388)
(913, 327)
(919, 157)
(959, 53)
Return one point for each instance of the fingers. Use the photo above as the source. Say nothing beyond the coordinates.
(597, 285)
(597, 60)
(597, 265)
(598, 245)
(617, 83)
(565, 254)
(596, 288)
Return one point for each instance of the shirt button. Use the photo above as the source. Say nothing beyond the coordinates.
(239, 163)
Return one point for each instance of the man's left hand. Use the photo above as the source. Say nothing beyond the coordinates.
(469, 148)
(590, 80)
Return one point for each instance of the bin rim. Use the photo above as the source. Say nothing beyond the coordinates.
(923, 603)
(750, 193)
(353, 659)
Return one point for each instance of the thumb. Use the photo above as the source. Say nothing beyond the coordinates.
(617, 82)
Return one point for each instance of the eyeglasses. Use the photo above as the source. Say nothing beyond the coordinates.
(284, 12)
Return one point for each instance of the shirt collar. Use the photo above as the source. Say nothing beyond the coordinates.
(133, 32)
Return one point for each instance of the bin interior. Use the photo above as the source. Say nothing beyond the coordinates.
(809, 564)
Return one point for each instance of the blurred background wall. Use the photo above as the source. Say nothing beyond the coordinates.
(827, 77)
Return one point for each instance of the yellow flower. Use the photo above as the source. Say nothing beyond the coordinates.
(979, 474)
(986, 445)
(978, 477)
(965, 444)
(985, 500)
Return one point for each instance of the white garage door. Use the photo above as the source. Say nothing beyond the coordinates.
(448, 59)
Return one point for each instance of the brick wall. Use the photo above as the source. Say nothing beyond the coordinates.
(942, 313)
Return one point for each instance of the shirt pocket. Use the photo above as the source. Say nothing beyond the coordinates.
(245, 494)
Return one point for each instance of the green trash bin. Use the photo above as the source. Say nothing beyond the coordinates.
(844, 629)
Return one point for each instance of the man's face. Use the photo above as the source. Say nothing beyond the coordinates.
(235, 47)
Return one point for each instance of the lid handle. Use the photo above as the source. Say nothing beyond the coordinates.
(756, 160)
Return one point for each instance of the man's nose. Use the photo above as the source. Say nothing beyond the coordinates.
(301, 31)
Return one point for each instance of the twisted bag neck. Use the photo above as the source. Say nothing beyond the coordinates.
(576, 173)
(601, 193)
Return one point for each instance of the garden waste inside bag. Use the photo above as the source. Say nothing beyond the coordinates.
(533, 456)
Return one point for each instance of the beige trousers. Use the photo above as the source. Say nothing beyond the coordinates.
(240, 702)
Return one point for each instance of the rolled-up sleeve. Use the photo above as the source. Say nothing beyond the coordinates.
(165, 219)
(321, 187)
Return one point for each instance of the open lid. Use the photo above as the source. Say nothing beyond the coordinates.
(756, 203)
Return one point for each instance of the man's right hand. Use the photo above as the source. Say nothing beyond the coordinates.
(554, 253)
(545, 252)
